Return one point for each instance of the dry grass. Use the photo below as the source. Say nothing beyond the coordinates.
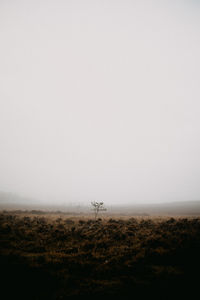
(55, 256)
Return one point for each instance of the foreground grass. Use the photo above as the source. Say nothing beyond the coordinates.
(45, 257)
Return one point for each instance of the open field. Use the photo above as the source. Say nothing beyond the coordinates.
(52, 256)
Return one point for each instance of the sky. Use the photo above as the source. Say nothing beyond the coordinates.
(100, 100)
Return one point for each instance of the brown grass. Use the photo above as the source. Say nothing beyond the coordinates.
(60, 257)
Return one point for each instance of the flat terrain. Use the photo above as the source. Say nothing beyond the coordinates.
(51, 256)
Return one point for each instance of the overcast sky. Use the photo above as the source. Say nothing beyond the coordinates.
(100, 100)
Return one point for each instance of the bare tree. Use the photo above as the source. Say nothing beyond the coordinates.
(96, 207)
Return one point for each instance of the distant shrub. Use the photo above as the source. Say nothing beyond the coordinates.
(97, 207)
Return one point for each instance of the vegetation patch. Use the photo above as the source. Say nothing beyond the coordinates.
(43, 257)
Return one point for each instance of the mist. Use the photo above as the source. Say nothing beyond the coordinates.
(99, 100)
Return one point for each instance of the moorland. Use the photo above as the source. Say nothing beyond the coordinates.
(57, 256)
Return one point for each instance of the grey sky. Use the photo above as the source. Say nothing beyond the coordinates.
(100, 100)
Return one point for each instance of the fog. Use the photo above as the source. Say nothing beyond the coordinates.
(99, 100)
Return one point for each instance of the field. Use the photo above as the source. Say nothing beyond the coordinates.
(49, 256)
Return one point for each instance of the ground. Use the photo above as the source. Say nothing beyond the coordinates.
(65, 257)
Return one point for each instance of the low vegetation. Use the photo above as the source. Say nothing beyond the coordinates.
(60, 257)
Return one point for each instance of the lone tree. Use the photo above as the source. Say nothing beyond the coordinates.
(96, 207)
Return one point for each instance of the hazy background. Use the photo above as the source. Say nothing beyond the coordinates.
(100, 100)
